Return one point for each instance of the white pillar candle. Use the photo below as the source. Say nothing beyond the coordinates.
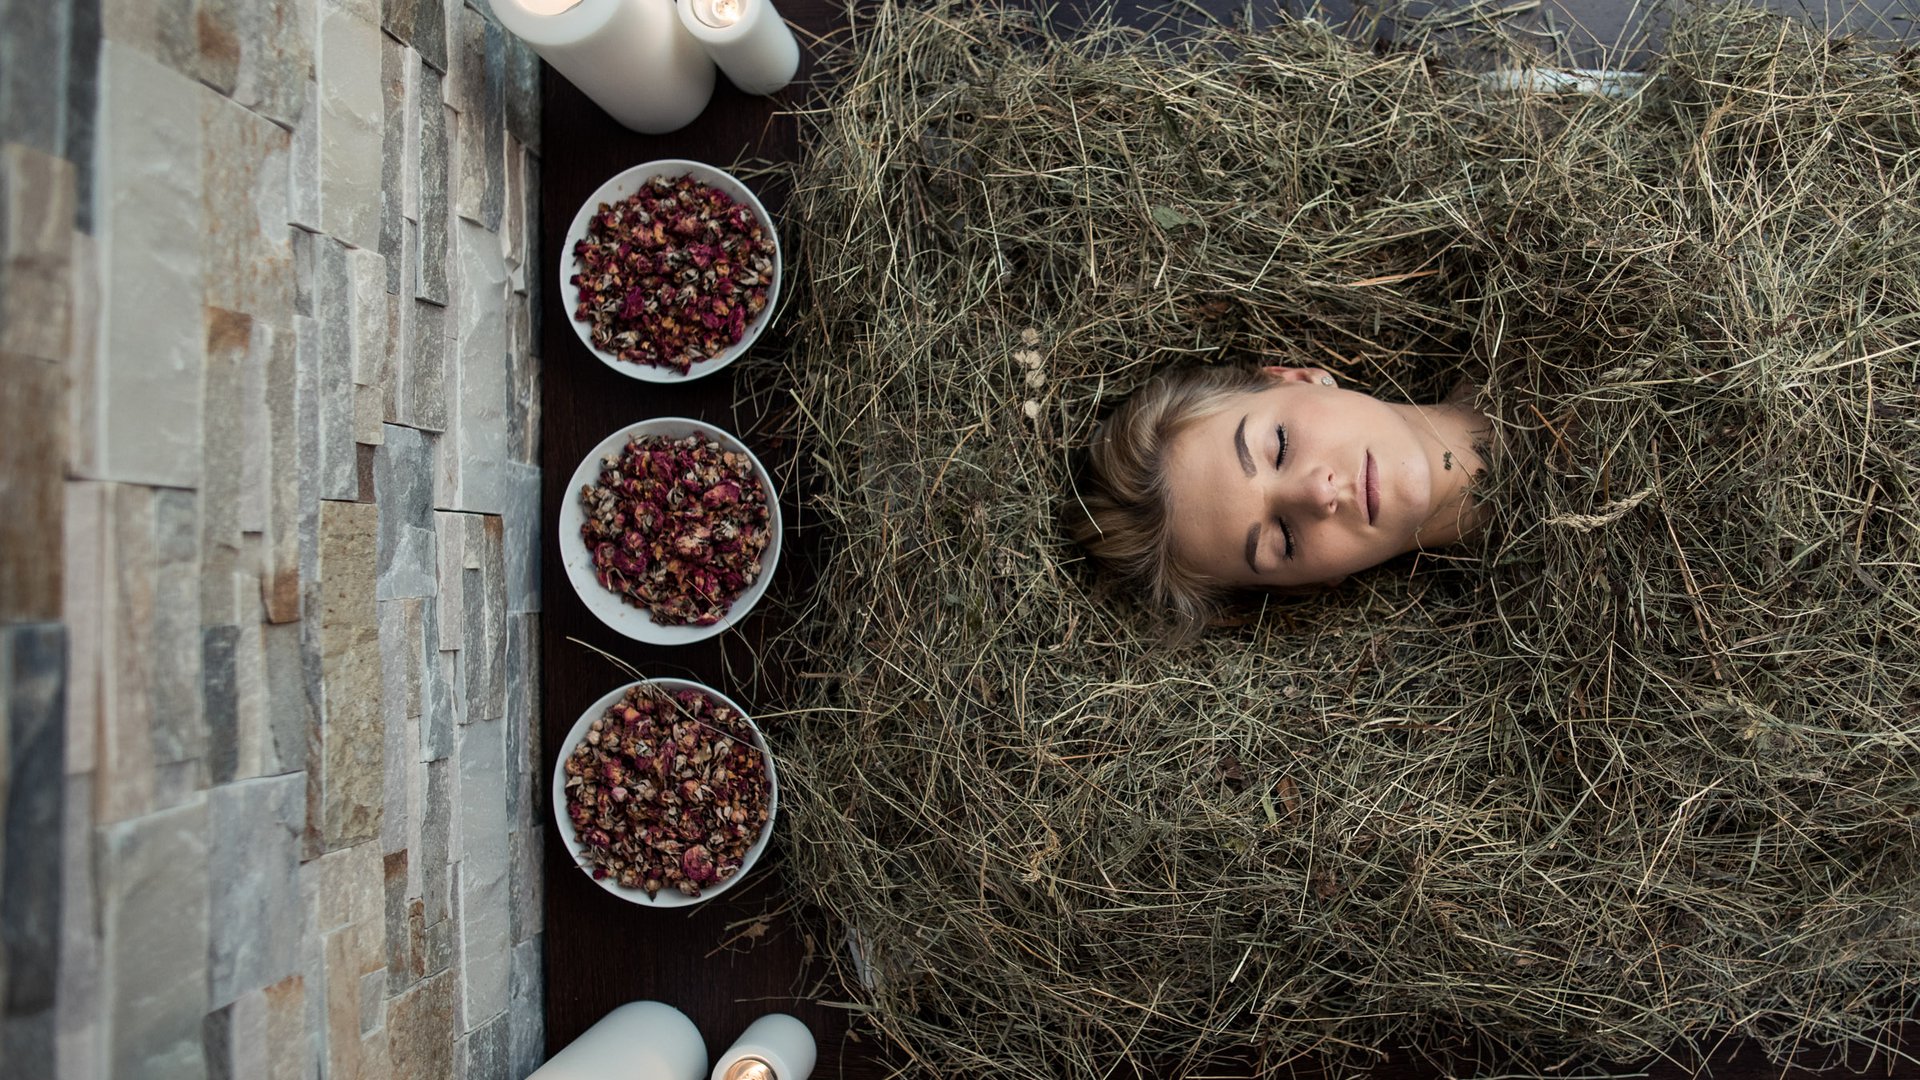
(774, 1047)
(747, 38)
(647, 1040)
(632, 57)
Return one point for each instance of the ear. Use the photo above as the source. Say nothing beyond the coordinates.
(1294, 374)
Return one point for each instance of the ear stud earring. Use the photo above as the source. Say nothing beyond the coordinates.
(1326, 380)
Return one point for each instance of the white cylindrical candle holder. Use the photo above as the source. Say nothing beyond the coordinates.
(648, 1040)
(747, 38)
(632, 57)
(774, 1047)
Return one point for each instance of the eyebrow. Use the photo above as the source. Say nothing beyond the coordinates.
(1253, 545)
(1240, 447)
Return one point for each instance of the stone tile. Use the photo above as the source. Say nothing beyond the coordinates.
(288, 459)
(149, 387)
(431, 284)
(224, 451)
(526, 890)
(276, 58)
(31, 88)
(513, 229)
(79, 1049)
(82, 106)
(84, 595)
(85, 365)
(326, 347)
(522, 525)
(32, 497)
(124, 750)
(153, 915)
(485, 933)
(523, 388)
(437, 718)
(220, 699)
(36, 241)
(476, 88)
(399, 305)
(527, 1031)
(406, 932)
(348, 64)
(255, 753)
(420, 1031)
(160, 28)
(397, 123)
(254, 512)
(258, 918)
(436, 840)
(345, 770)
(289, 1048)
(399, 665)
(368, 271)
(293, 697)
(179, 725)
(353, 955)
(304, 163)
(479, 448)
(522, 723)
(33, 674)
(244, 171)
(450, 529)
(484, 648)
(536, 283)
(421, 24)
(523, 93)
(403, 488)
(486, 1051)
(344, 888)
(423, 394)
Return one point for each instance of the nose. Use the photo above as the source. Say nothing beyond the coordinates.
(1312, 492)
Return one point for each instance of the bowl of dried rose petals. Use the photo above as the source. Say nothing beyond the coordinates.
(665, 793)
(670, 530)
(671, 270)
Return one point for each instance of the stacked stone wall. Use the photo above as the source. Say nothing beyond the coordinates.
(268, 538)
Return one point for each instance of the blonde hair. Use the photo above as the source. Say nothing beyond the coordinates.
(1120, 515)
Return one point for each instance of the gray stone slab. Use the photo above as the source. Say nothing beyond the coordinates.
(523, 386)
(179, 726)
(526, 996)
(526, 889)
(421, 24)
(82, 103)
(431, 268)
(480, 447)
(522, 727)
(523, 93)
(303, 161)
(293, 697)
(486, 1051)
(437, 719)
(330, 333)
(477, 88)
(485, 645)
(223, 457)
(393, 155)
(78, 995)
(123, 752)
(485, 931)
(33, 673)
(368, 272)
(399, 669)
(276, 58)
(154, 341)
(406, 932)
(153, 915)
(291, 444)
(350, 125)
(436, 835)
(403, 489)
(32, 87)
(522, 528)
(220, 698)
(258, 919)
(423, 381)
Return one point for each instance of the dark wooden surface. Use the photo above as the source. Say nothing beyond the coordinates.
(600, 951)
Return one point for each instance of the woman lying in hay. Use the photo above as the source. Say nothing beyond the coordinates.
(1630, 767)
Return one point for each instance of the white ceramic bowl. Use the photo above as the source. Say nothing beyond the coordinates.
(669, 897)
(609, 607)
(625, 184)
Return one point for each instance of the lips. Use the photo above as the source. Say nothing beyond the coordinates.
(1373, 489)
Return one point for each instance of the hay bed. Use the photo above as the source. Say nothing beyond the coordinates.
(1640, 768)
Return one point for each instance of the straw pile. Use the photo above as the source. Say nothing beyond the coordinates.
(1642, 767)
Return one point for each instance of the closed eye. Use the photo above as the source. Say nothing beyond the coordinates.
(1280, 458)
(1285, 533)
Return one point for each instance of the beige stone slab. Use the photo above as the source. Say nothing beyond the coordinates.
(420, 1028)
(148, 198)
(280, 574)
(83, 358)
(352, 954)
(124, 755)
(343, 887)
(243, 167)
(33, 439)
(84, 591)
(351, 118)
(36, 206)
(345, 756)
(223, 451)
(289, 1051)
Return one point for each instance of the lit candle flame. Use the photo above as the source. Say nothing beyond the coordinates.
(718, 14)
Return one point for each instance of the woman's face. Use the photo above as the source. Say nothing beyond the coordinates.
(1302, 484)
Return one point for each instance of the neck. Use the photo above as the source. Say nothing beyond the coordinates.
(1456, 436)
